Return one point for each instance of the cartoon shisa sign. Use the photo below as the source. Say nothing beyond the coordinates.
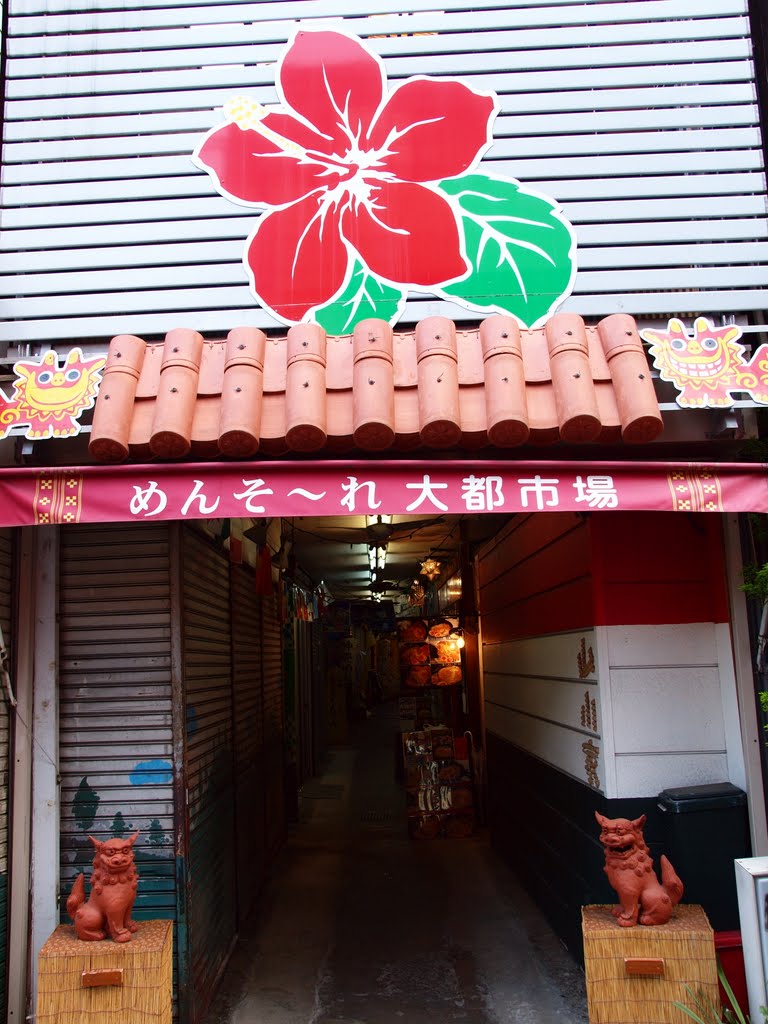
(370, 193)
(707, 366)
(48, 399)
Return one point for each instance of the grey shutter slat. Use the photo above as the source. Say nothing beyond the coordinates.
(7, 575)
(207, 671)
(248, 713)
(272, 668)
(115, 734)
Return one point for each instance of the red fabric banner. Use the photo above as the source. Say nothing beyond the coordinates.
(100, 494)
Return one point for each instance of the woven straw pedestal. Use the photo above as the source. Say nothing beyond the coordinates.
(69, 971)
(619, 965)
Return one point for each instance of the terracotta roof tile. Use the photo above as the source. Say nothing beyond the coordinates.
(377, 390)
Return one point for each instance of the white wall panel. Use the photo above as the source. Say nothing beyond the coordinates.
(536, 699)
(639, 116)
(540, 738)
(659, 710)
(671, 688)
(555, 655)
(693, 644)
(648, 776)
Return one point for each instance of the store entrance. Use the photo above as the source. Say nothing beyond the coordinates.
(362, 922)
(387, 902)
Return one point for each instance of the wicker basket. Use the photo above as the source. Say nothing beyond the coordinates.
(107, 982)
(635, 975)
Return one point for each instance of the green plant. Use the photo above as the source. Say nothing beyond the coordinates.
(705, 1012)
(756, 581)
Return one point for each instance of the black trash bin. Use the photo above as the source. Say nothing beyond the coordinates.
(704, 829)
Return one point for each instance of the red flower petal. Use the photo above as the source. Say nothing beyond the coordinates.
(436, 129)
(289, 127)
(410, 236)
(255, 169)
(297, 258)
(332, 81)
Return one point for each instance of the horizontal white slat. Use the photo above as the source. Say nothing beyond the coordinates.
(215, 322)
(537, 124)
(588, 282)
(211, 206)
(63, 21)
(529, 171)
(230, 296)
(700, 43)
(296, 9)
(458, 36)
(555, 700)
(661, 646)
(656, 98)
(232, 226)
(646, 775)
(631, 233)
(125, 234)
(119, 213)
(81, 270)
(661, 209)
(609, 210)
(539, 658)
(179, 89)
(635, 144)
(660, 185)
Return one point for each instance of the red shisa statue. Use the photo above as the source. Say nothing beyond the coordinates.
(629, 868)
(107, 911)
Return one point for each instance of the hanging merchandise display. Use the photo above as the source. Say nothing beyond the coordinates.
(430, 654)
(439, 792)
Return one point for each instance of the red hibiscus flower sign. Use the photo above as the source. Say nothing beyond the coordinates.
(370, 193)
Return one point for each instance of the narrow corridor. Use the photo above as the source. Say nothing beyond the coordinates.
(361, 925)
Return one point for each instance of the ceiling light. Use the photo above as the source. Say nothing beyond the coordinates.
(377, 557)
(378, 528)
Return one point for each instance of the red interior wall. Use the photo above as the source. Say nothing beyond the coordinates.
(537, 579)
(651, 568)
(551, 572)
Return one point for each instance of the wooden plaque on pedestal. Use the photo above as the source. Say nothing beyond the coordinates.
(107, 982)
(635, 975)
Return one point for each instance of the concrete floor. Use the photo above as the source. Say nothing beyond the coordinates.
(360, 925)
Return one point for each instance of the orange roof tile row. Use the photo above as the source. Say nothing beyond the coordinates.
(435, 387)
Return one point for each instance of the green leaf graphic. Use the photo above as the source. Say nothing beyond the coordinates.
(520, 247)
(364, 296)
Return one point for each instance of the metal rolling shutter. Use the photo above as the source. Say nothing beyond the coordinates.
(319, 717)
(272, 668)
(116, 752)
(304, 699)
(249, 738)
(207, 671)
(6, 594)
